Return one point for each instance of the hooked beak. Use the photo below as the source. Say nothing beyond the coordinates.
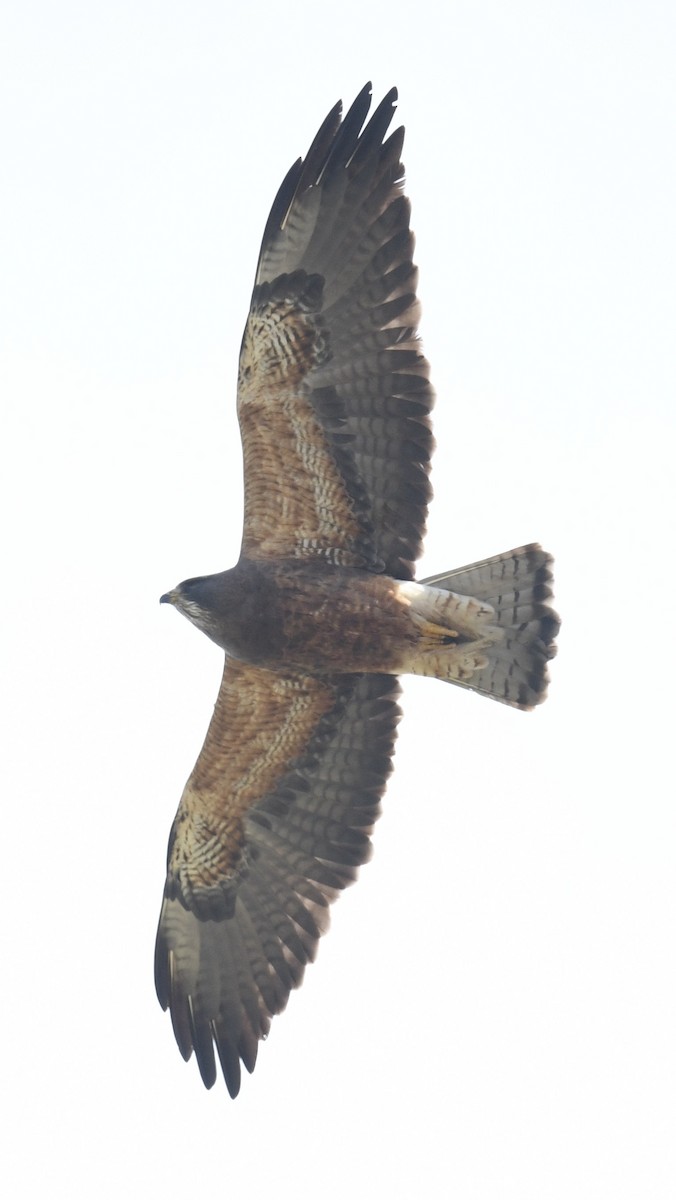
(168, 598)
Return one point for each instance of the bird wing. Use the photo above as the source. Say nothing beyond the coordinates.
(273, 823)
(333, 393)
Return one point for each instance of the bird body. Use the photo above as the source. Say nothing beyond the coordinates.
(276, 615)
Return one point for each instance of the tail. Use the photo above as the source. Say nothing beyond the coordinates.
(506, 653)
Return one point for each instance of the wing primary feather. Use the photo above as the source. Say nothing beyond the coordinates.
(320, 146)
(232, 1014)
(178, 1002)
(346, 140)
(229, 1059)
(282, 202)
(301, 174)
(249, 968)
(203, 1045)
(376, 129)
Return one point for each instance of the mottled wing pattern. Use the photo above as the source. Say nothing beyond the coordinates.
(273, 823)
(334, 395)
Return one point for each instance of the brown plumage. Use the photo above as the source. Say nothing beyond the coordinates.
(321, 614)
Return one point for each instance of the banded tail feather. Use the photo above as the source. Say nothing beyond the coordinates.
(507, 657)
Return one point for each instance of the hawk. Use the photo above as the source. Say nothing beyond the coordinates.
(321, 613)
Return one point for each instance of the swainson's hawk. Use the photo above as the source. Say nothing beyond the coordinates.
(321, 614)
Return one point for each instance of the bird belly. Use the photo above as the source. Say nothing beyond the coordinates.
(342, 621)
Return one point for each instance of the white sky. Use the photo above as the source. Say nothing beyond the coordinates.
(492, 1014)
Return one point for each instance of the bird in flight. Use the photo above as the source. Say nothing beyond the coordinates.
(321, 613)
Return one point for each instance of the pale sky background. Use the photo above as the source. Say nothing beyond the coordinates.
(492, 1013)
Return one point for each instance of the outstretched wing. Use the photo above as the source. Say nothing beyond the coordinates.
(273, 823)
(334, 394)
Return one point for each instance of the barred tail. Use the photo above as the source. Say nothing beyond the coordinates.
(517, 586)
